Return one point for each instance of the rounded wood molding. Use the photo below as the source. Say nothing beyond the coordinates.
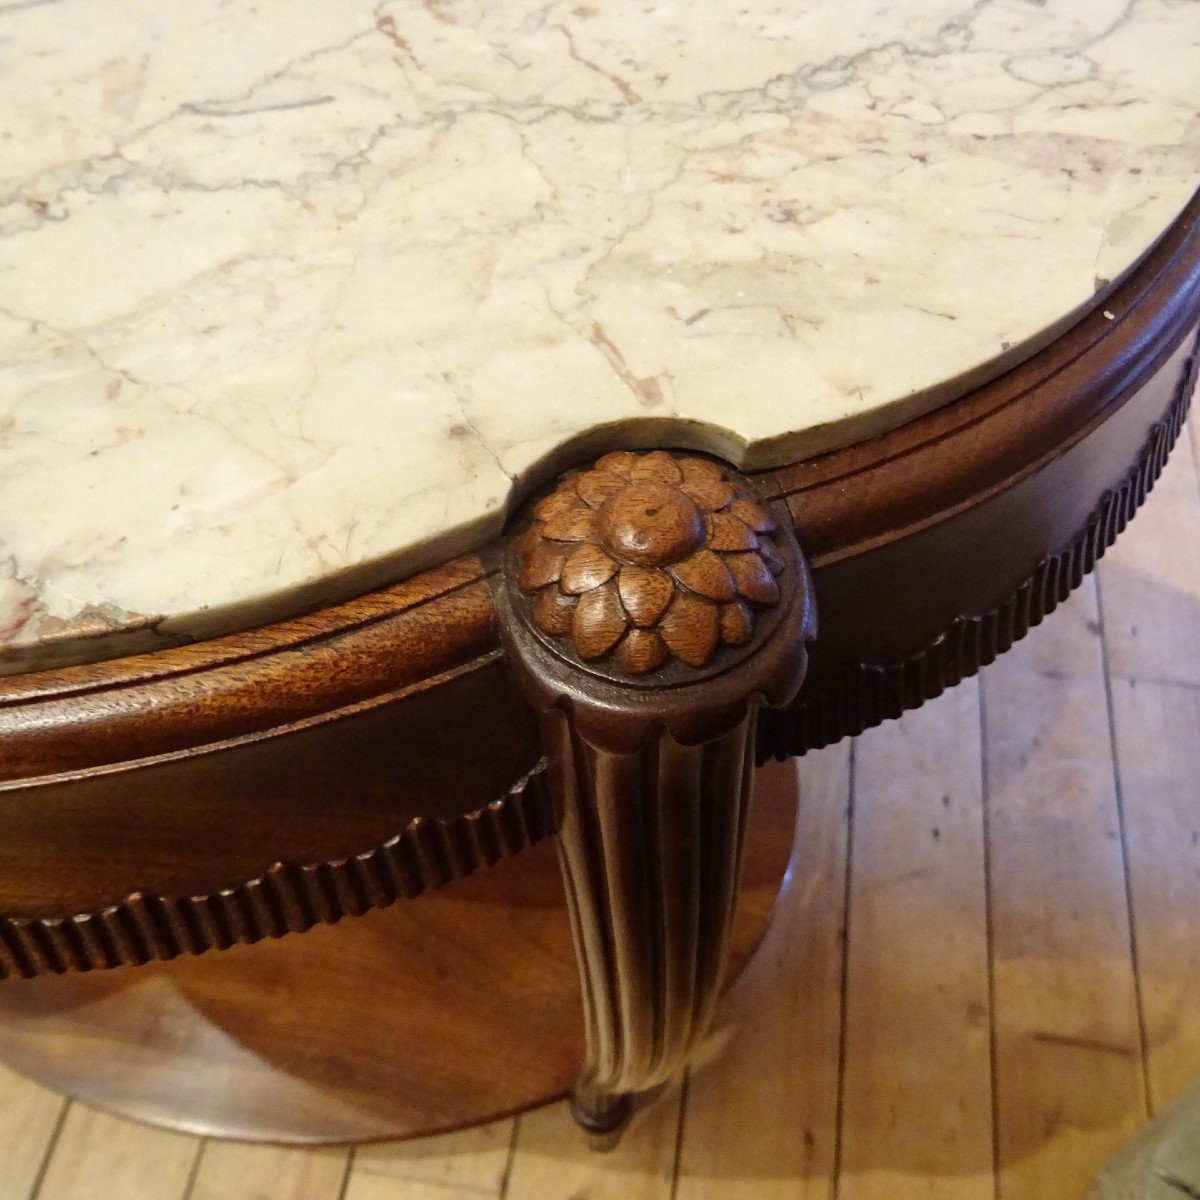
(193, 770)
(458, 1007)
(861, 695)
(423, 630)
(287, 898)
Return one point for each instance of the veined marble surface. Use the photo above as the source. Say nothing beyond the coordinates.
(290, 293)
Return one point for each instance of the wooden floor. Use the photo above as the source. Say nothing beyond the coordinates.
(983, 978)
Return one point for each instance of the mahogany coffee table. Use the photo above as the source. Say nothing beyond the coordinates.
(445, 446)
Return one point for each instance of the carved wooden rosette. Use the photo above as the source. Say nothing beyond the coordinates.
(649, 605)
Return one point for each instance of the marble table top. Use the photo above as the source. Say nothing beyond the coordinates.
(290, 294)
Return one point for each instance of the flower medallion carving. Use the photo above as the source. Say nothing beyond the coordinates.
(645, 559)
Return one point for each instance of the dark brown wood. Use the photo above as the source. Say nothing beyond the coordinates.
(288, 898)
(843, 697)
(650, 750)
(196, 768)
(444, 1011)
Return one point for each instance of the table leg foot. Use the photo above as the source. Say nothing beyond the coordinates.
(601, 1114)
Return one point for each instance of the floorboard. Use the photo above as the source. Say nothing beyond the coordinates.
(1069, 1075)
(232, 1171)
(1150, 586)
(98, 1155)
(761, 1120)
(917, 1108)
(475, 1160)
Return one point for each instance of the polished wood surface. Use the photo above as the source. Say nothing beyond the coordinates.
(794, 1099)
(453, 1008)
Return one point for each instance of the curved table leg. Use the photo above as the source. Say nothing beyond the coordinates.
(650, 848)
(649, 607)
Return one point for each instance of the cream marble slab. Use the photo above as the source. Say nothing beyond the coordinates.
(291, 292)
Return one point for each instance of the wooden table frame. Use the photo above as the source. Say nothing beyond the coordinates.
(200, 797)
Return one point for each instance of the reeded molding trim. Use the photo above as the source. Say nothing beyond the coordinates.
(286, 898)
(859, 697)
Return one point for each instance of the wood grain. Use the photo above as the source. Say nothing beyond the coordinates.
(651, 769)
(758, 1121)
(98, 1154)
(29, 1121)
(554, 1162)
(287, 898)
(472, 1158)
(1069, 1081)
(314, 738)
(917, 1107)
(1150, 586)
(371, 1029)
(371, 1187)
(234, 1171)
(893, 646)
(1158, 747)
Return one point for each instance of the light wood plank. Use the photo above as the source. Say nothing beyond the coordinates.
(761, 1105)
(29, 1116)
(234, 1171)
(1150, 591)
(379, 1187)
(98, 1155)
(1150, 582)
(1069, 1077)
(475, 1159)
(554, 1161)
(1158, 746)
(917, 1112)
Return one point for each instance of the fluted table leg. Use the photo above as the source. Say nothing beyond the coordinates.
(649, 606)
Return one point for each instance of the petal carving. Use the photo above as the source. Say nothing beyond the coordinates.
(658, 466)
(771, 556)
(705, 573)
(595, 487)
(641, 650)
(727, 533)
(577, 525)
(543, 566)
(560, 503)
(737, 624)
(710, 494)
(756, 515)
(586, 567)
(598, 622)
(753, 579)
(690, 628)
(619, 462)
(552, 612)
(695, 469)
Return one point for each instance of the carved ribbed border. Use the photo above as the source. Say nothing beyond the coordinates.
(431, 853)
(285, 899)
(865, 695)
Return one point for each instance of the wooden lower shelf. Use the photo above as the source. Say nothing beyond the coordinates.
(435, 1014)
